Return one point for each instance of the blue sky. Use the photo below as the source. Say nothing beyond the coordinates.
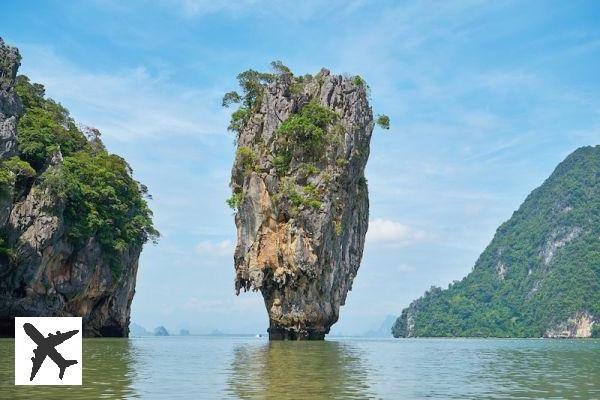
(485, 99)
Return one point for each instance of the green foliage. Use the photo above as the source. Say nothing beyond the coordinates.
(45, 126)
(238, 119)
(230, 98)
(383, 121)
(14, 170)
(596, 330)
(318, 115)
(299, 130)
(306, 196)
(102, 200)
(305, 129)
(280, 69)
(337, 227)
(515, 290)
(7, 179)
(19, 167)
(341, 162)
(247, 159)
(281, 162)
(235, 200)
(253, 84)
(6, 252)
(309, 169)
(358, 80)
(311, 197)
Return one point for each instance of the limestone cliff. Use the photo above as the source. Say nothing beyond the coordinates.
(300, 194)
(53, 260)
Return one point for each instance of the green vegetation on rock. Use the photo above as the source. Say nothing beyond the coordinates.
(101, 199)
(303, 132)
(310, 137)
(235, 200)
(383, 121)
(540, 273)
(45, 126)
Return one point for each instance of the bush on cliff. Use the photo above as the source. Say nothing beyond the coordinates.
(102, 200)
(45, 126)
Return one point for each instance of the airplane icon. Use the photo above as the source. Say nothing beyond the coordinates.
(46, 347)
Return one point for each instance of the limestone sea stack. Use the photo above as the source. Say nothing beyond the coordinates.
(72, 219)
(300, 194)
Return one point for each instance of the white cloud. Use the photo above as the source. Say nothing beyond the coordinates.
(126, 104)
(385, 231)
(220, 249)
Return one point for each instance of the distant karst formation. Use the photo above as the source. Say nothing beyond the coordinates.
(540, 275)
(300, 195)
(72, 219)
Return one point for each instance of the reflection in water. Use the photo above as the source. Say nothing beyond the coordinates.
(247, 368)
(294, 370)
(565, 369)
(106, 373)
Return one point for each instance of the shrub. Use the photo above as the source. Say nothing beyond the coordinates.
(235, 200)
(102, 200)
(307, 196)
(230, 98)
(337, 227)
(299, 130)
(358, 80)
(341, 162)
(280, 69)
(238, 120)
(45, 126)
(309, 169)
(247, 159)
(311, 196)
(19, 167)
(318, 115)
(306, 128)
(383, 121)
(596, 330)
(281, 162)
(253, 83)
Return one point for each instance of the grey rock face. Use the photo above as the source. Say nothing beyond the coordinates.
(303, 257)
(46, 275)
(10, 104)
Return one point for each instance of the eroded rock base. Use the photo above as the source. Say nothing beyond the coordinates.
(279, 333)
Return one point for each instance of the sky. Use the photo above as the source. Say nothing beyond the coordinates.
(485, 99)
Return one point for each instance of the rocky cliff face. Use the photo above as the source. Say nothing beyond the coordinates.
(301, 198)
(43, 272)
(538, 277)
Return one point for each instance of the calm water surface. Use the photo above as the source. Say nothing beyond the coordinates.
(248, 368)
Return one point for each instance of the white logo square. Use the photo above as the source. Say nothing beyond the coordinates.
(48, 351)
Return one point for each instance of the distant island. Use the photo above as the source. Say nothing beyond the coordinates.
(540, 275)
(161, 331)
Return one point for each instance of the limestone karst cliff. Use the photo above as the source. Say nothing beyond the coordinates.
(300, 194)
(539, 276)
(72, 220)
